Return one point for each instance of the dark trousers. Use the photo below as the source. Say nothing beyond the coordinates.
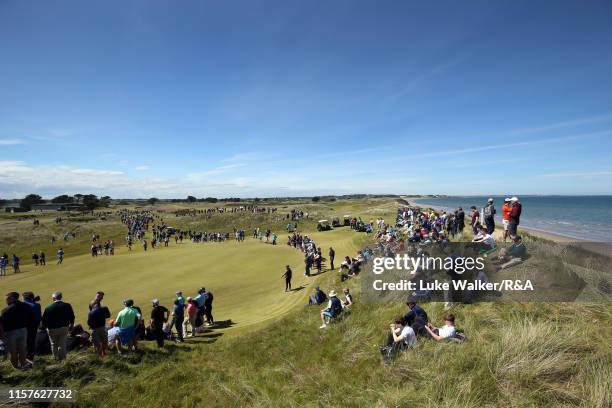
(287, 284)
(397, 346)
(158, 334)
(331, 263)
(490, 223)
(209, 316)
(177, 322)
(31, 341)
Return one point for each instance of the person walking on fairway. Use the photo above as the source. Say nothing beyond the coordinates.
(332, 254)
(287, 275)
(16, 264)
(60, 256)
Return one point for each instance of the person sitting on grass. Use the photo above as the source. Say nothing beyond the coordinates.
(444, 332)
(348, 299)
(513, 254)
(416, 317)
(483, 241)
(318, 297)
(333, 309)
(401, 337)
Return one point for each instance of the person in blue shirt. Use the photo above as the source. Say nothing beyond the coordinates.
(178, 315)
(416, 317)
(333, 309)
(3, 264)
(30, 299)
(16, 264)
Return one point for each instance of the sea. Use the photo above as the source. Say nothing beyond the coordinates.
(581, 217)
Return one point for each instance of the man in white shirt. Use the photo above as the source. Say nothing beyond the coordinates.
(483, 241)
(444, 332)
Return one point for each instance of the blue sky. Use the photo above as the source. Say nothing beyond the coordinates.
(268, 98)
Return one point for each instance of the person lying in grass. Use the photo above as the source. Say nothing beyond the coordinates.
(513, 254)
(444, 332)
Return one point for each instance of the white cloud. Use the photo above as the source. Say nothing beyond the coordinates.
(587, 174)
(562, 125)
(200, 175)
(10, 142)
(142, 168)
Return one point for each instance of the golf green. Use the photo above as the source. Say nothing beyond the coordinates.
(245, 277)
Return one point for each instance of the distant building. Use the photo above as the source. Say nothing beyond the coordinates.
(56, 207)
(15, 209)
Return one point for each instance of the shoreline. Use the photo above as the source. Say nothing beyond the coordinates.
(604, 248)
(597, 247)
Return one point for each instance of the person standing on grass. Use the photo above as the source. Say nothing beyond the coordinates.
(208, 302)
(287, 275)
(506, 209)
(159, 316)
(475, 219)
(3, 264)
(97, 300)
(41, 258)
(180, 297)
(192, 311)
(32, 301)
(332, 255)
(58, 319)
(35, 258)
(96, 319)
(489, 216)
(14, 322)
(178, 316)
(60, 256)
(515, 216)
(16, 264)
(460, 216)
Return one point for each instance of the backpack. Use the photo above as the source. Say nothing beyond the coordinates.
(336, 306)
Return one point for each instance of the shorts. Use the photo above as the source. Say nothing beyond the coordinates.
(328, 314)
(512, 227)
(505, 223)
(126, 335)
(16, 341)
(99, 336)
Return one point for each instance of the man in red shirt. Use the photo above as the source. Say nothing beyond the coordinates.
(506, 208)
(515, 216)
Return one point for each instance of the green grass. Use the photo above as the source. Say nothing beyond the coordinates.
(517, 354)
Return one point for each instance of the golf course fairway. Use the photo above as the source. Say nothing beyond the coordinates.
(245, 277)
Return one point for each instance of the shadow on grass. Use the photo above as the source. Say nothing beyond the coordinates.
(298, 288)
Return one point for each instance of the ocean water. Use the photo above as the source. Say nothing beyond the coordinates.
(581, 217)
